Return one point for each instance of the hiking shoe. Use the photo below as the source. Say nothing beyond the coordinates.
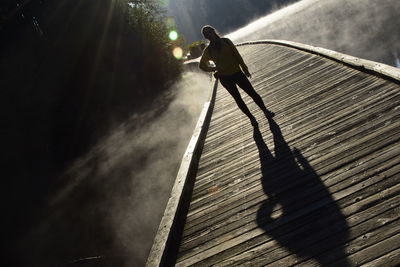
(269, 114)
(254, 122)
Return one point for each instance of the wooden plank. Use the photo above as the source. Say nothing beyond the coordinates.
(243, 234)
(369, 234)
(344, 121)
(364, 235)
(265, 250)
(365, 169)
(377, 249)
(389, 259)
(362, 130)
(236, 200)
(340, 138)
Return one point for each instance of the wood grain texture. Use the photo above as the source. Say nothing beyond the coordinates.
(317, 186)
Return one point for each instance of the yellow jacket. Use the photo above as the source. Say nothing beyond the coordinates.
(227, 61)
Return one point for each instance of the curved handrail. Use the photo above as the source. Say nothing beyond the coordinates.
(359, 63)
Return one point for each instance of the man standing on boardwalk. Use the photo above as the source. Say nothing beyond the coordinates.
(231, 70)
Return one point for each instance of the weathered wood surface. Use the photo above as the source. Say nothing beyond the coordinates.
(317, 186)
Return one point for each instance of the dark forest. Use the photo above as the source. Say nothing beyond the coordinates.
(70, 71)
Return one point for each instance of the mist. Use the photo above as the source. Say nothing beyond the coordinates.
(115, 195)
(225, 15)
(363, 28)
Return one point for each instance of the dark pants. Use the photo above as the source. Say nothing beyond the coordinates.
(230, 82)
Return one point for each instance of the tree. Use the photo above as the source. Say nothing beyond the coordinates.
(70, 71)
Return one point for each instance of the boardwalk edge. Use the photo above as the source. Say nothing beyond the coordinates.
(164, 244)
(378, 68)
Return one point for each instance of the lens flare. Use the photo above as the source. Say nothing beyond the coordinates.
(171, 23)
(173, 35)
(177, 52)
(164, 3)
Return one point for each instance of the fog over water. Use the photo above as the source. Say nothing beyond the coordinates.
(120, 188)
(363, 28)
(115, 195)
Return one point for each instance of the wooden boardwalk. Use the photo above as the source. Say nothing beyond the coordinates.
(317, 186)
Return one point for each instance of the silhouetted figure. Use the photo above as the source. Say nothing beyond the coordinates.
(300, 213)
(230, 69)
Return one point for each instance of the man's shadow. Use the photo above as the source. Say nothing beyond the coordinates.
(300, 214)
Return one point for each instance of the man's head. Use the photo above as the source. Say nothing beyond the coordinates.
(209, 33)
